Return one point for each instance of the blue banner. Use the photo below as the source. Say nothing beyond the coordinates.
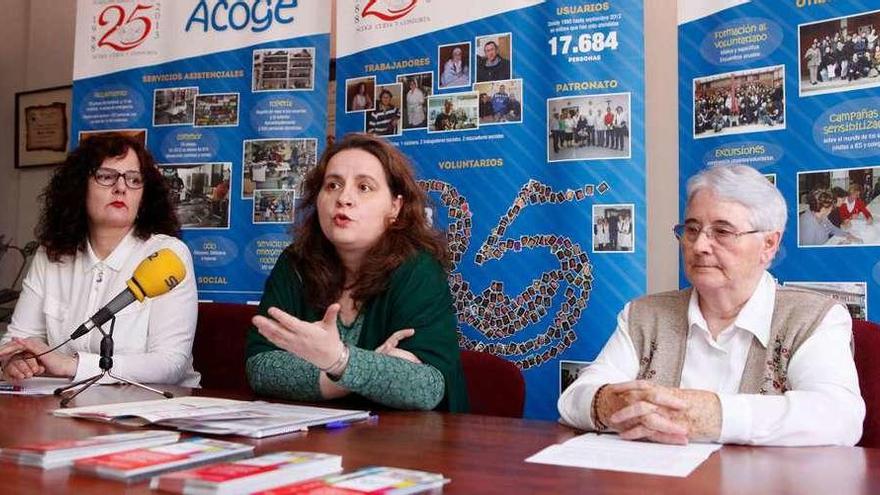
(231, 99)
(525, 120)
(792, 88)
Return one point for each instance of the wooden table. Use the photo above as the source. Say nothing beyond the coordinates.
(481, 454)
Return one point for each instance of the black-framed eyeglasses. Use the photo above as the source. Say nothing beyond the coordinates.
(722, 234)
(108, 177)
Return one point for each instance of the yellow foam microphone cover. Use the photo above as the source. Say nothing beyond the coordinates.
(157, 274)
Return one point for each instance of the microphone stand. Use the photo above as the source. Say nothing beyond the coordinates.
(105, 363)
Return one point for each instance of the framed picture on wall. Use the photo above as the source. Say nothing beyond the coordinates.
(42, 126)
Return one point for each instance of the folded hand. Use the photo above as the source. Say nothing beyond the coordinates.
(390, 348)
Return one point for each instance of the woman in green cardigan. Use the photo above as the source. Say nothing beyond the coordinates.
(366, 259)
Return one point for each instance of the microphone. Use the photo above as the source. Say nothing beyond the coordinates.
(157, 274)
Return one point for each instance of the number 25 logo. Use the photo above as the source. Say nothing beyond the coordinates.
(124, 32)
(395, 9)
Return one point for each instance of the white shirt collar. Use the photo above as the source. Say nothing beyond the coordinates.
(116, 259)
(755, 317)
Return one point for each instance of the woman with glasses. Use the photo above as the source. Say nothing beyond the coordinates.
(735, 358)
(104, 210)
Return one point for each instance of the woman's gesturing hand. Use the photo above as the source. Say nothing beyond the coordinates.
(317, 343)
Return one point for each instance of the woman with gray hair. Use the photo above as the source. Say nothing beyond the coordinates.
(735, 358)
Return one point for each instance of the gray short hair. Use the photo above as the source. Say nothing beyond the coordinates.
(744, 185)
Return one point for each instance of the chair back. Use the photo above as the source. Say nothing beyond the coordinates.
(495, 386)
(219, 346)
(866, 337)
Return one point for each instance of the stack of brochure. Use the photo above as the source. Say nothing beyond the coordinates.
(49, 455)
(140, 464)
(249, 475)
(207, 415)
(371, 480)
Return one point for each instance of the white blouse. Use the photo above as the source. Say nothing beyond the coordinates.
(823, 407)
(152, 339)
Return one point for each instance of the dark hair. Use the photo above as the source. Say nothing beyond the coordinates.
(315, 256)
(384, 92)
(64, 224)
(839, 192)
(819, 199)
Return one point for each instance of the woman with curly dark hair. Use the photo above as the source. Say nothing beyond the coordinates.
(366, 259)
(104, 210)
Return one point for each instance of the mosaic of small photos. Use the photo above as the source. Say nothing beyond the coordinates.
(497, 315)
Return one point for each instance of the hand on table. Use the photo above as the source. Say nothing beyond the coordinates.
(317, 343)
(390, 348)
(19, 367)
(15, 368)
(643, 410)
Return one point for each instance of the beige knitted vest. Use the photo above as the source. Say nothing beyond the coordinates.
(658, 326)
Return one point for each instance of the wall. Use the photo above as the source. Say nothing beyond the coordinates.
(13, 54)
(37, 52)
(661, 85)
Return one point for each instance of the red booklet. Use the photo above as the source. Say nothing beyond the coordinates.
(48, 455)
(371, 481)
(140, 464)
(249, 475)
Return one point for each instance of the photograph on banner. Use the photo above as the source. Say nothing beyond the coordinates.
(360, 94)
(417, 88)
(839, 54)
(384, 120)
(568, 372)
(500, 101)
(454, 112)
(174, 106)
(740, 102)
(853, 295)
(284, 69)
(614, 228)
(594, 127)
(273, 206)
(139, 134)
(494, 57)
(837, 207)
(276, 163)
(216, 110)
(199, 193)
(454, 67)
(771, 178)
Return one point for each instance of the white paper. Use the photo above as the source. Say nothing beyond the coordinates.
(254, 419)
(611, 453)
(152, 410)
(36, 386)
